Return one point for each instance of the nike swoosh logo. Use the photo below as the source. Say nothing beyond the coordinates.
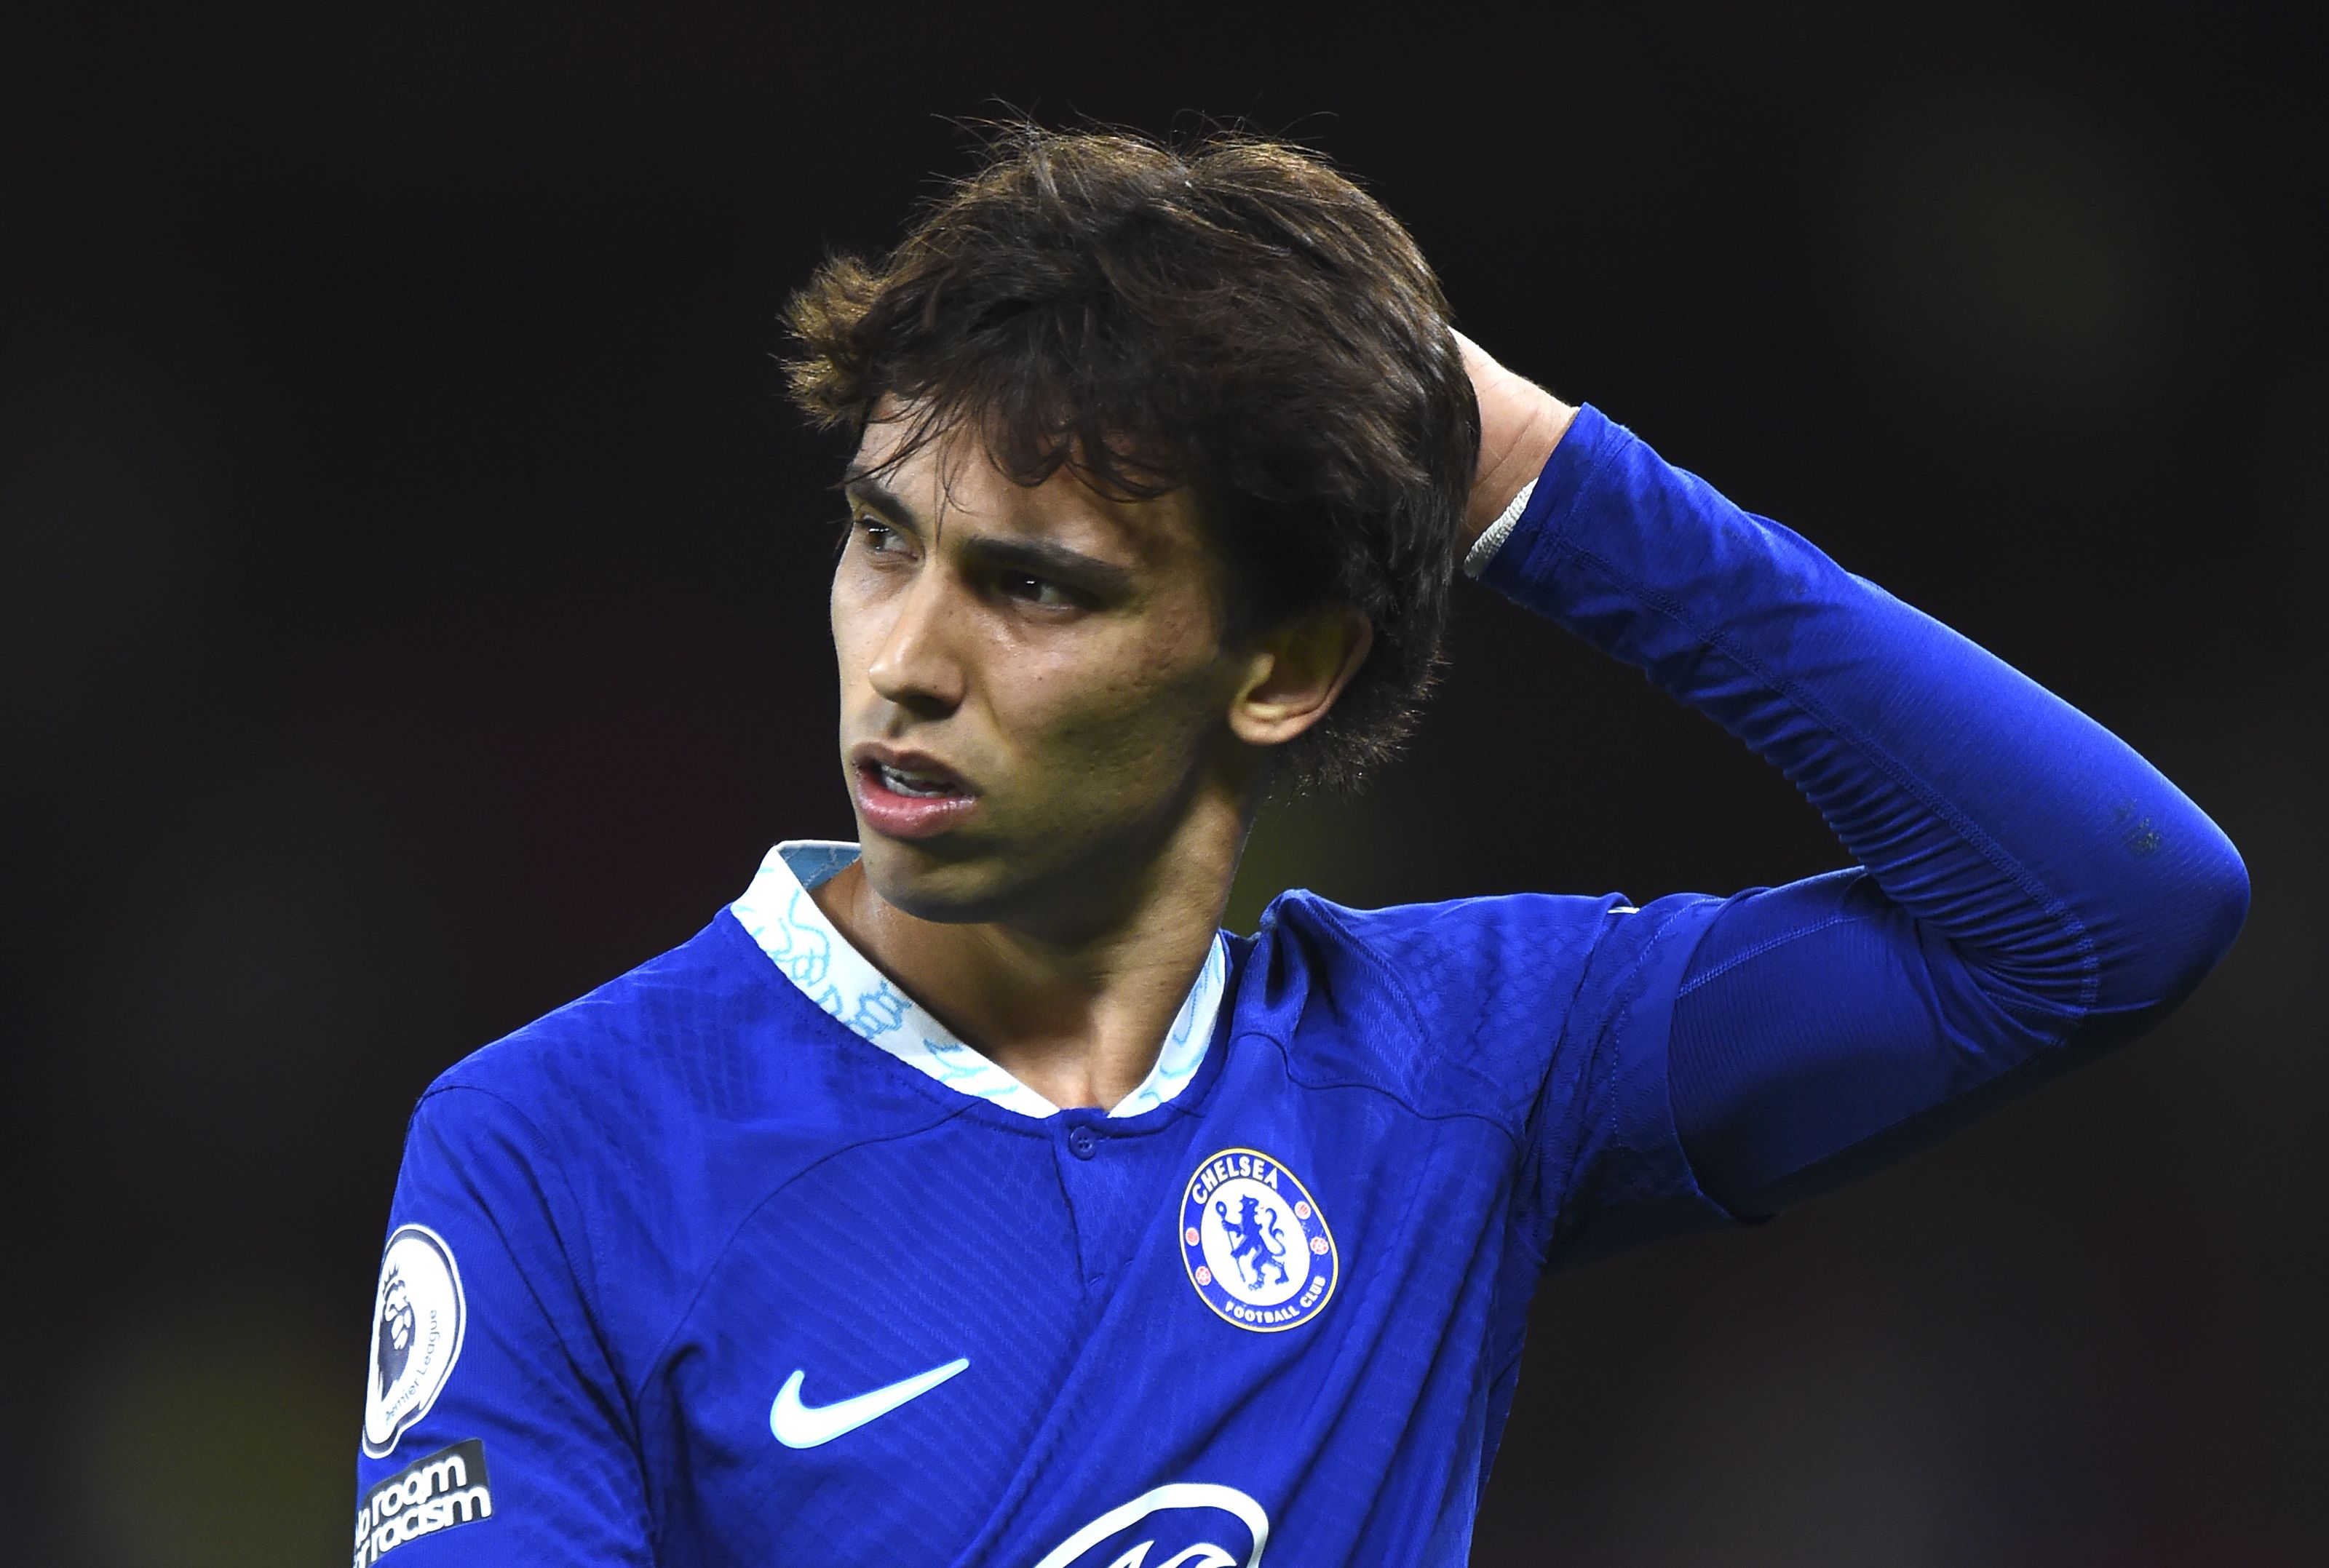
(798, 1425)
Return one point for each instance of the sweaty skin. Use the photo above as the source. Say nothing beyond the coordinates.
(1060, 659)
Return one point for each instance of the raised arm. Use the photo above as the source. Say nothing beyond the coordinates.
(2029, 890)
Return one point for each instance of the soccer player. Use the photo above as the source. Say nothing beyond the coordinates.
(965, 1195)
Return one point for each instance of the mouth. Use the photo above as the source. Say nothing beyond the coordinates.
(908, 794)
(918, 785)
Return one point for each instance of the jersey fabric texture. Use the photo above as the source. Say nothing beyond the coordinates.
(727, 1264)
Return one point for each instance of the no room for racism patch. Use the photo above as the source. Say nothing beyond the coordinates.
(447, 1488)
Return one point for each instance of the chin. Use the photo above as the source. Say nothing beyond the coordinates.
(929, 885)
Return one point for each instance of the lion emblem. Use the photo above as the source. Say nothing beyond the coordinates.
(1257, 1245)
(397, 1322)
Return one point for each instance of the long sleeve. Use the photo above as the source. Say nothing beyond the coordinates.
(2029, 890)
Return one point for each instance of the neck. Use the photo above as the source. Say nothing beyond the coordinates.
(1076, 1010)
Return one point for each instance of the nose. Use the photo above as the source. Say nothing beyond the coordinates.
(916, 665)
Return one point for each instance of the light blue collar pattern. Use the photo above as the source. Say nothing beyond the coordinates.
(790, 927)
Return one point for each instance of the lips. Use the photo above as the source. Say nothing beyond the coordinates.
(908, 794)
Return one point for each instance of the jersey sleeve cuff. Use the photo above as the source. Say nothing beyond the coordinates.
(1504, 554)
(1492, 538)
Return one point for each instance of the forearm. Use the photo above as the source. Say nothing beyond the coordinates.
(2043, 879)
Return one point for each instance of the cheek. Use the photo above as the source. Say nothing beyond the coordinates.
(852, 623)
(1134, 711)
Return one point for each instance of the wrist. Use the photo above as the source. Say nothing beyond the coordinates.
(1521, 423)
(1531, 421)
(1548, 501)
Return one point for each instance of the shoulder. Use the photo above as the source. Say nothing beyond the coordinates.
(1450, 1006)
(1424, 944)
(674, 1027)
(647, 1121)
(674, 1093)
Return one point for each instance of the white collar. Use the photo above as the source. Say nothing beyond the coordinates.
(790, 927)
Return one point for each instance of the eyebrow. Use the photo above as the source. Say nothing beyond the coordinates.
(863, 483)
(1037, 556)
(1042, 558)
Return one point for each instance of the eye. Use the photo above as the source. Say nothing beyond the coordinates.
(875, 537)
(1036, 590)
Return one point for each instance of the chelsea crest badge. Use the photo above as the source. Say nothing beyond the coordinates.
(1258, 1250)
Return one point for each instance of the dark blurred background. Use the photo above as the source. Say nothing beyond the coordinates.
(412, 592)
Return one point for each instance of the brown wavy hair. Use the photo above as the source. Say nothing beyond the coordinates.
(1233, 316)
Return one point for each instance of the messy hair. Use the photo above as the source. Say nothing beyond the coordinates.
(1234, 317)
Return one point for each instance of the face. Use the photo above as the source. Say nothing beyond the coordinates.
(1034, 682)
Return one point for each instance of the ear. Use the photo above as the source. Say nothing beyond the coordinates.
(1294, 673)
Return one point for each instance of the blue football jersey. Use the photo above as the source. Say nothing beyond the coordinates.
(743, 1259)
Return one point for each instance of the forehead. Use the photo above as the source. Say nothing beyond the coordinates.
(951, 483)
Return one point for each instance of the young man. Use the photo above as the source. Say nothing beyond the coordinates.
(965, 1195)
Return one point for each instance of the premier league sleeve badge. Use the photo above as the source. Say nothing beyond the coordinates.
(419, 1318)
(1257, 1247)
